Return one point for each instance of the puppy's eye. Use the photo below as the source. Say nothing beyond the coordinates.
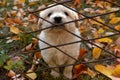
(66, 13)
(49, 14)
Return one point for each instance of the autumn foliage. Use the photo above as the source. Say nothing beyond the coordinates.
(99, 25)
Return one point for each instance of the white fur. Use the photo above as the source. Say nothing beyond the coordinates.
(57, 36)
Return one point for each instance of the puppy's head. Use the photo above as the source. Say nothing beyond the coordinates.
(57, 15)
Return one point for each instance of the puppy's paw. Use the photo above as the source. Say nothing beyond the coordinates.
(55, 74)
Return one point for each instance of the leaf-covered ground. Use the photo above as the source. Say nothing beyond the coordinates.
(99, 52)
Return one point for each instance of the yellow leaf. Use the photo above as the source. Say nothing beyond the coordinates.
(112, 16)
(100, 31)
(116, 71)
(117, 27)
(15, 30)
(106, 40)
(32, 3)
(96, 52)
(3, 2)
(90, 72)
(104, 70)
(22, 1)
(31, 75)
(100, 20)
(114, 20)
(16, 38)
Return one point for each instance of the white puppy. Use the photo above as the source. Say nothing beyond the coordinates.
(57, 36)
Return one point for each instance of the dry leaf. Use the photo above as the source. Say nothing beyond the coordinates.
(91, 73)
(79, 69)
(114, 20)
(98, 19)
(37, 55)
(15, 30)
(18, 21)
(9, 21)
(106, 40)
(104, 70)
(117, 27)
(31, 45)
(82, 53)
(11, 73)
(117, 42)
(96, 52)
(112, 15)
(116, 71)
(31, 75)
(100, 31)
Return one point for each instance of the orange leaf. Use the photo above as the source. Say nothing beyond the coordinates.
(37, 55)
(78, 3)
(114, 20)
(9, 21)
(82, 53)
(79, 69)
(18, 21)
(96, 52)
(11, 73)
(116, 71)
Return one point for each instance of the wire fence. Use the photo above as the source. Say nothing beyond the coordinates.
(87, 41)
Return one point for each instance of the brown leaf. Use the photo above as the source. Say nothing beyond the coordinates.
(18, 21)
(31, 46)
(37, 55)
(82, 53)
(79, 69)
(15, 30)
(9, 21)
(117, 42)
(11, 73)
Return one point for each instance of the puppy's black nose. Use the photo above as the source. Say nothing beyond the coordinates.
(58, 19)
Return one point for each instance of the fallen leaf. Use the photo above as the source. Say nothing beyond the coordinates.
(117, 27)
(18, 21)
(96, 52)
(37, 55)
(117, 42)
(11, 73)
(112, 15)
(100, 31)
(9, 21)
(79, 69)
(114, 20)
(100, 20)
(116, 71)
(91, 73)
(31, 45)
(82, 53)
(105, 40)
(99, 4)
(31, 75)
(15, 30)
(104, 70)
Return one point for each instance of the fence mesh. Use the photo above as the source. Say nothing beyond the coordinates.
(89, 23)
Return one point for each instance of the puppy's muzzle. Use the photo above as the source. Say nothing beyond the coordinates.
(58, 19)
